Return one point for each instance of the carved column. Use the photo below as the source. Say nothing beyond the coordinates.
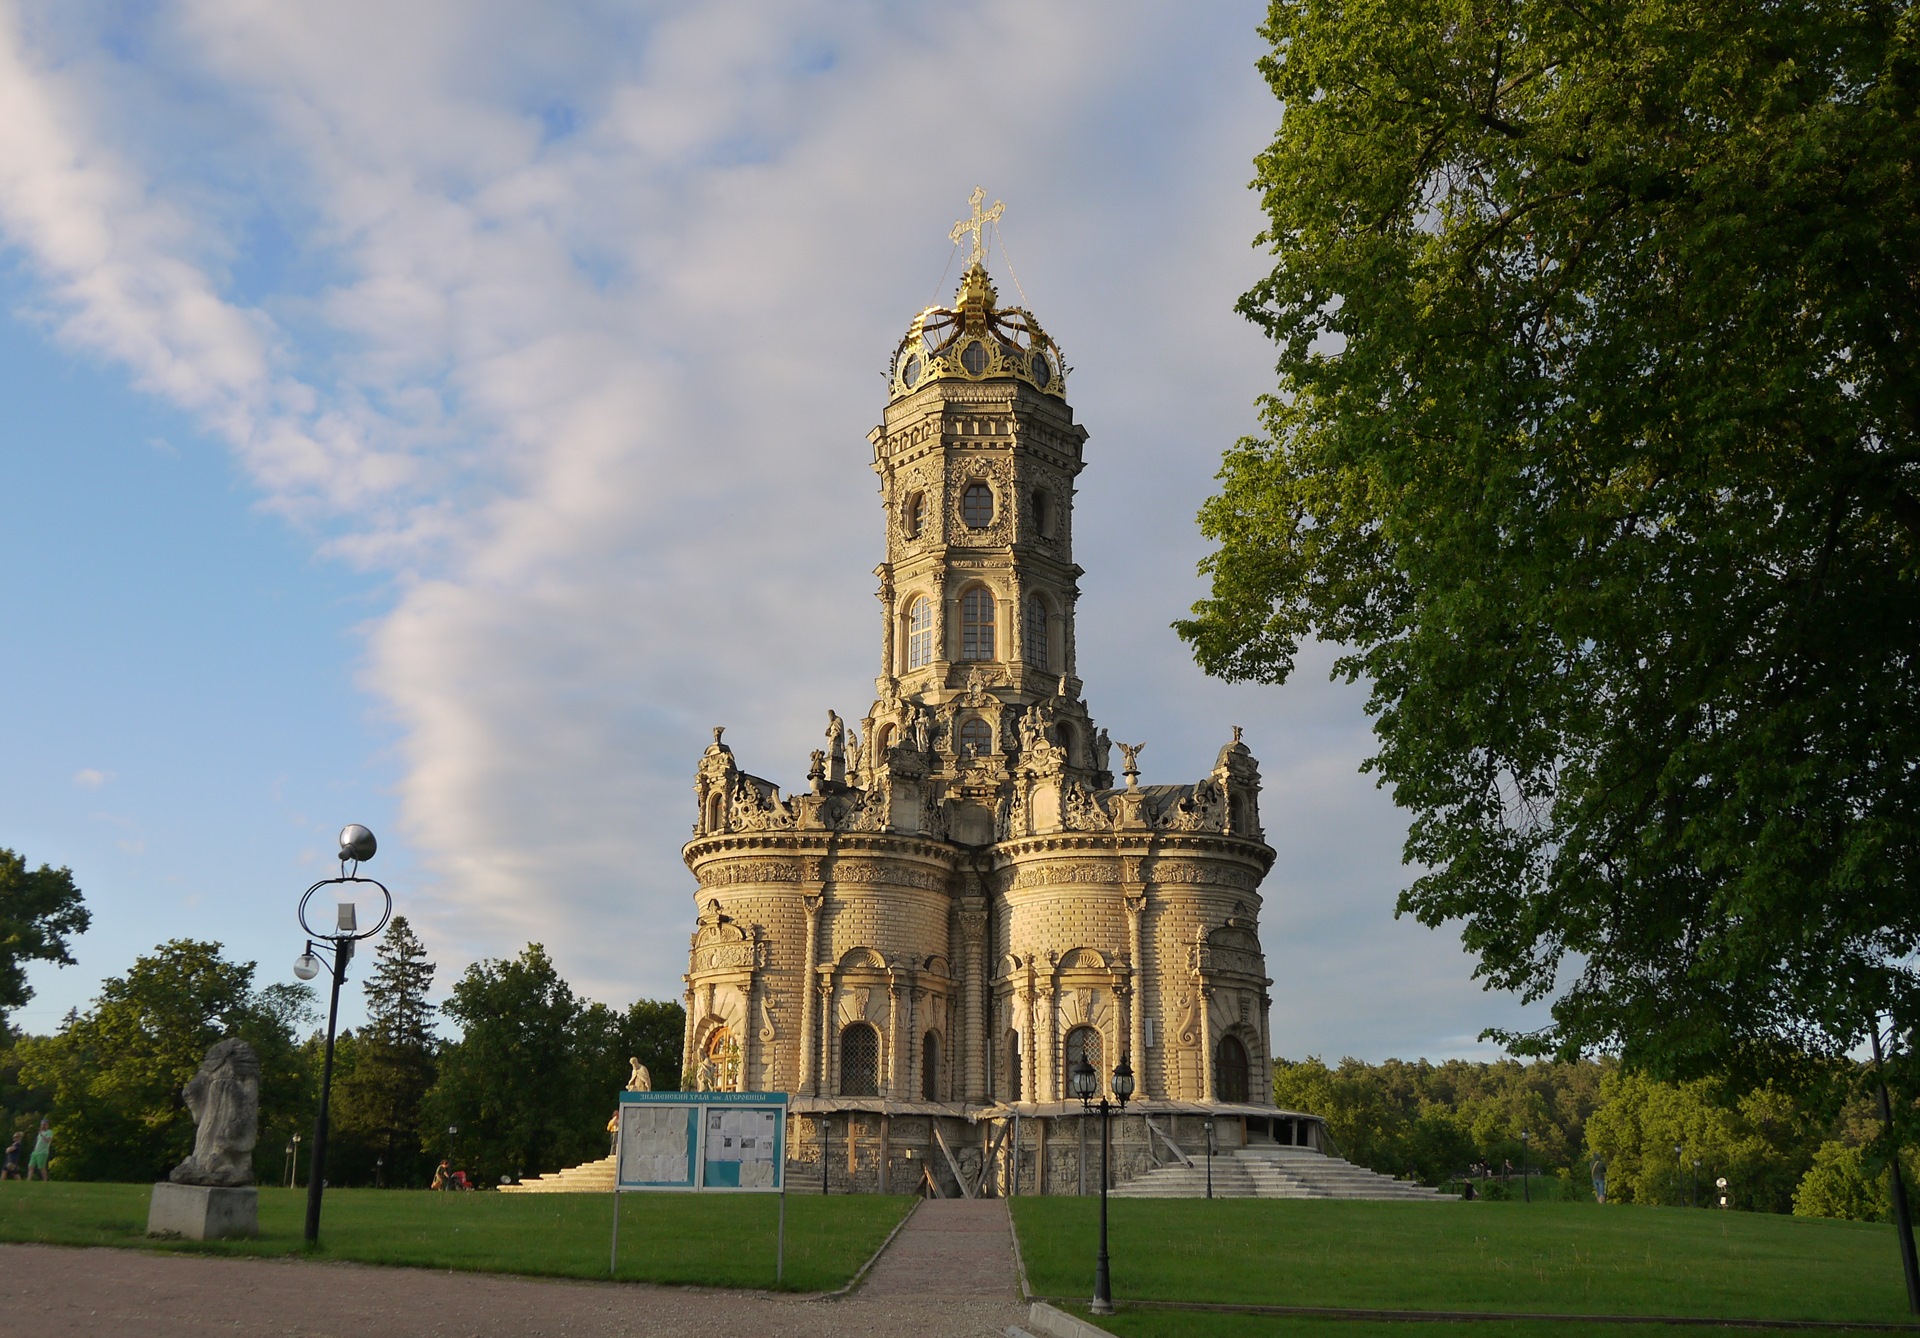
(1029, 1040)
(1137, 970)
(1206, 1043)
(686, 1032)
(941, 651)
(809, 1016)
(973, 927)
(1049, 1040)
(1266, 1048)
(889, 624)
(826, 1077)
(896, 1039)
(1068, 652)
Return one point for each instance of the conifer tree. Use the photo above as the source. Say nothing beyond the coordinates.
(379, 1100)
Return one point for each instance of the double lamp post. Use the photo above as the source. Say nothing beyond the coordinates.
(356, 847)
(1085, 1084)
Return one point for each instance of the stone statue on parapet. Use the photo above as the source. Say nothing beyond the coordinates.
(224, 1097)
(641, 1080)
(1130, 753)
(1102, 750)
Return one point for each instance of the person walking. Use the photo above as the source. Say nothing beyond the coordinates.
(42, 1150)
(10, 1168)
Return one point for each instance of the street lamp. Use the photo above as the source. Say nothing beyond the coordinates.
(379, 1171)
(1085, 1083)
(1693, 1185)
(286, 1171)
(1526, 1176)
(1209, 1125)
(293, 1172)
(1678, 1149)
(356, 847)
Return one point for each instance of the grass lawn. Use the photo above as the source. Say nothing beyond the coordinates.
(1187, 1324)
(706, 1240)
(1554, 1258)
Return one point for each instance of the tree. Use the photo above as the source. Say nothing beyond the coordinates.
(1760, 1140)
(1597, 446)
(379, 1095)
(515, 1084)
(39, 910)
(116, 1072)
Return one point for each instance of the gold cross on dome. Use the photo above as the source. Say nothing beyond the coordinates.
(977, 223)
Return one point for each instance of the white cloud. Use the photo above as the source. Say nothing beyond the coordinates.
(576, 333)
(90, 778)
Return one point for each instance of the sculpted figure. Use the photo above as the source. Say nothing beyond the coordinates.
(922, 730)
(224, 1097)
(1102, 750)
(641, 1081)
(1130, 753)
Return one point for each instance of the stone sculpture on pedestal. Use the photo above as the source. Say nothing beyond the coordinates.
(210, 1195)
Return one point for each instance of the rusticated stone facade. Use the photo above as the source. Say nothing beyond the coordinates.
(962, 902)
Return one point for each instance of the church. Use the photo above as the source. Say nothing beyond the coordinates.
(966, 901)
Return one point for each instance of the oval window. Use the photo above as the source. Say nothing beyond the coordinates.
(974, 358)
(976, 506)
(916, 519)
(1042, 372)
(910, 373)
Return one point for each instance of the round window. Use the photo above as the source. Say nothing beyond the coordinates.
(1042, 371)
(910, 373)
(974, 358)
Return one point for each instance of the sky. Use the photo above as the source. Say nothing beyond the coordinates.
(439, 416)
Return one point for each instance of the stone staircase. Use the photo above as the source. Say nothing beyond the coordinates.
(1270, 1171)
(594, 1177)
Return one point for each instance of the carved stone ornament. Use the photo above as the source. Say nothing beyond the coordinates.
(224, 1097)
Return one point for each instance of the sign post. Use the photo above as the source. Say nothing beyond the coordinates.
(694, 1141)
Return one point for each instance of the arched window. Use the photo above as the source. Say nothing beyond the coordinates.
(714, 801)
(884, 744)
(1082, 1043)
(930, 1066)
(1013, 1066)
(916, 515)
(1043, 512)
(976, 624)
(860, 1060)
(920, 633)
(1230, 1074)
(1036, 632)
(976, 506)
(976, 737)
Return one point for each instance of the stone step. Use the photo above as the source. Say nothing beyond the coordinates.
(1273, 1172)
(594, 1177)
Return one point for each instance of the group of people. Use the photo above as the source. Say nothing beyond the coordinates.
(10, 1168)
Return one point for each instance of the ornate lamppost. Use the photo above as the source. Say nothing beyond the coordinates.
(1085, 1083)
(356, 847)
(1209, 1125)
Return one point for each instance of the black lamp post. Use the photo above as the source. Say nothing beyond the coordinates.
(356, 847)
(1678, 1150)
(1209, 1124)
(293, 1173)
(1526, 1176)
(380, 1171)
(1085, 1083)
(286, 1171)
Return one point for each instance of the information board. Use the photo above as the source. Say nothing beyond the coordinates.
(702, 1140)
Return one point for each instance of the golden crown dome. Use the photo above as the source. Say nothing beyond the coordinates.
(975, 340)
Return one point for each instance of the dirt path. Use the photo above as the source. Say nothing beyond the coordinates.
(949, 1280)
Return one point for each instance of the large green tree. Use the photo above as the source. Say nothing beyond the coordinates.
(1597, 447)
(40, 909)
(115, 1072)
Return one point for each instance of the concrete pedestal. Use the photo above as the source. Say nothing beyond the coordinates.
(203, 1212)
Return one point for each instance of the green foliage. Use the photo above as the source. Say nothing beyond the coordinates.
(1595, 443)
(535, 1075)
(1433, 1121)
(39, 910)
(1849, 1180)
(380, 1087)
(1760, 1140)
(115, 1073)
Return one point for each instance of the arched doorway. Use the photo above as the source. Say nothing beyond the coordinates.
(930, 1067)
(860, 1060)
(1230, 1073)
(1083, 1043)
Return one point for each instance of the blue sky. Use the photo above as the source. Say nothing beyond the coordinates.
(438, 417)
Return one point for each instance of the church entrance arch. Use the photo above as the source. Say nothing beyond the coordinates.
(930, 1066)
(1083, 1043)
(1230, 1079)
(860, 1060)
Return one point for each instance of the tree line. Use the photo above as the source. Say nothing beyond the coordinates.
(1663, 1143)
(525, 1088)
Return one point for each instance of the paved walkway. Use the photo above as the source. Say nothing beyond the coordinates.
(950, 1247)
(948, 1274)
